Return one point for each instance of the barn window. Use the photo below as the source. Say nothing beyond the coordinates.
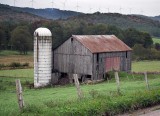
(97, 57)
(126, 54)
(71, 39)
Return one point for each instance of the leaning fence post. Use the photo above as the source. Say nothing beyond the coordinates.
(19, 94)
(76, 81)
(146, 80)
(117, 81)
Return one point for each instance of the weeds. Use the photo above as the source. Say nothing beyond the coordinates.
(14, 65)
(2, 88)
(93, 93)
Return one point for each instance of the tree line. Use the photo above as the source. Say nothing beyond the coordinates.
(20, 36)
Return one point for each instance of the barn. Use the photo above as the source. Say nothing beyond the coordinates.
(92, 56)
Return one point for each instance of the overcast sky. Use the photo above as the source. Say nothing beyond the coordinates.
(145, 7)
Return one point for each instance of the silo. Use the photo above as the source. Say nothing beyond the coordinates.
(42, 57)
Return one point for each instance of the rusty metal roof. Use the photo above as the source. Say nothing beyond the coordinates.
(102, 43)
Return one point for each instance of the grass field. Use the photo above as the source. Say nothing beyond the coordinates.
(156, 40)
(62, 100)
(149, 66)
(47, 100)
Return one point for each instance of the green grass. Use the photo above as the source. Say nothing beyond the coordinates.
(156, 40)
(63, 100)
(142, 66)
(9, 52)
(17, 73)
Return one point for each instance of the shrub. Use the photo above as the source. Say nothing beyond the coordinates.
(25, 64)
(2, 66)
(15, 64)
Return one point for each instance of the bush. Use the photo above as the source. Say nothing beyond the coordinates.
(25, 64)
(15, 64)
(141, 53)
(2, 66)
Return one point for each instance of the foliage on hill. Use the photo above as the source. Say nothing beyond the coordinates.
(8, 14)
(49, 13)
(30, 14)
(62, 31)
(156, 18)
(141, 23)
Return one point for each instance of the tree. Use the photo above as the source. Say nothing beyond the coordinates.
(157, 46)
(133, 36)
(57, 32)
(147, 40)
(21, 39)
(2, 39)
(139, 52)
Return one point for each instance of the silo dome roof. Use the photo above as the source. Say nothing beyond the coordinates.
(42, 32)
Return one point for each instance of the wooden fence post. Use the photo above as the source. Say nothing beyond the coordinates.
(117, 81)
(19, 94)
(76, 81)
(146, 80)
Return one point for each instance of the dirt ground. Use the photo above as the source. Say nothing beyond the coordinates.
(152, 111)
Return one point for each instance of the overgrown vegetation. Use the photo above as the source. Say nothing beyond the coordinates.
(14, 65)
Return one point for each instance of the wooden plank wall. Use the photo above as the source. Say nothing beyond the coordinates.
(73, 57)
(125, 63)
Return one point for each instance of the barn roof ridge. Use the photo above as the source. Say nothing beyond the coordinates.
(102, 43)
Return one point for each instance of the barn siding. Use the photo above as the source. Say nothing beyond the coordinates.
(73, 57)
(99, 68)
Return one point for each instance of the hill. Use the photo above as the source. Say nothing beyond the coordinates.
(139, 22)
(49, 13)
(156, 18)
(142, 23)
(7, 13)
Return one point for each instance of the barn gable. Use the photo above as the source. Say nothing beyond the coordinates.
(73, 57)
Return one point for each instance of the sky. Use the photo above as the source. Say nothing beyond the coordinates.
(144, 7)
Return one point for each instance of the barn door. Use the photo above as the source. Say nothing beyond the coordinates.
(112, 63)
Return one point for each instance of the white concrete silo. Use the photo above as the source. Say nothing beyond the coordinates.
(42, 57)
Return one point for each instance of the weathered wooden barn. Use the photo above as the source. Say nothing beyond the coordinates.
(92, 55)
